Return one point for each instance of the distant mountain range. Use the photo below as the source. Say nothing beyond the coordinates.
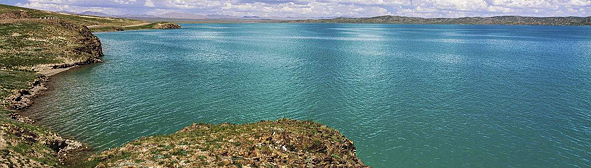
(497, 20)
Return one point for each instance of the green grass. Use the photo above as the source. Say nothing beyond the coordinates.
(15, 80)
(29, 43)
(3, 114)
(21, 45)
(33, 151)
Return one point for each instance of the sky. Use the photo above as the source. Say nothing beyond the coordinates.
(320, 8)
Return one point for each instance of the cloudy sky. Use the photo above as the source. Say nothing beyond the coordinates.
(321, 8)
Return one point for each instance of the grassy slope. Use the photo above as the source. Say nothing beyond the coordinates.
(18, 149)
(15, 80)
(102, 23)
(29, 43)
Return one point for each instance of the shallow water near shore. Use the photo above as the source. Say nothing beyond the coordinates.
(407, 95)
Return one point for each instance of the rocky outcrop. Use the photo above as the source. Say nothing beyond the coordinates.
(63, 147)
(90, 43)
(167, 26)
(22, 99)
(282, 143)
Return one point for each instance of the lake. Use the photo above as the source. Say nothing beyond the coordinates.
(407, 95)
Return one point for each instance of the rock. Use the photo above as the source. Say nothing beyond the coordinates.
(63, 147)
(90, 44)
(167, 26)
(22, 99)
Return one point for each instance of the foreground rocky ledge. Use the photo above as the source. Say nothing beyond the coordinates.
(265, 144)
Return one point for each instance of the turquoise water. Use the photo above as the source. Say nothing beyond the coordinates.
(407, 95)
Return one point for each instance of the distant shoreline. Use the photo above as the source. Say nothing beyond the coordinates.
(496, 20)
(390, 19)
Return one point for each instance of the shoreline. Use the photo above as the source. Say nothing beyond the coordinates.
(49, 71)
(69, 151)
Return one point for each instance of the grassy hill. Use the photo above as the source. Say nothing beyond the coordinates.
(34, 42)
(32, 38)
(13, 12)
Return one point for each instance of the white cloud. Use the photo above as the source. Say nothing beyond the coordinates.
(46, 6)
(64, 5)
(149, 3)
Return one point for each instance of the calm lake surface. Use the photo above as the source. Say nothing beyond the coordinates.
(407, 95)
